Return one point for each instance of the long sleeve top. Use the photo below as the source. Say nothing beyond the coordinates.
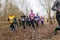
(31, 16)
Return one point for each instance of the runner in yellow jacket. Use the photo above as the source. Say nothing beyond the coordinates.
(11, 21)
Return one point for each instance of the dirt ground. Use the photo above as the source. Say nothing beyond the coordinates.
(45, 32)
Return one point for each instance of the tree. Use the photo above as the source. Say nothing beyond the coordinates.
(47, 6)
(24, 5)
(0, 8)
(10, 8)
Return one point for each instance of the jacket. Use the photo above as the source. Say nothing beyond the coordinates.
(56, 5)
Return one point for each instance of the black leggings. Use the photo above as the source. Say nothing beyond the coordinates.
(12, 26)
(32, 23)
(58, 20)
(23, 23)
(36, 22)
(28, 23)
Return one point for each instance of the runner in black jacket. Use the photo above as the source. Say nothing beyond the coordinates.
(23, 21)
(56, 7)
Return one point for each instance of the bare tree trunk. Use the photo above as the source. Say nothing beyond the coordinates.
(0, 8)
(47, 6)
(5, 15)
(54, 17)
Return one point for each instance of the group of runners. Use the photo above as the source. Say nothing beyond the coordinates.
(31, 19)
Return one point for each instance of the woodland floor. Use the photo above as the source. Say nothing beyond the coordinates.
(45, 32)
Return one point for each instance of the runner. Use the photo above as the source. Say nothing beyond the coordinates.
(23, 17)
(56, 7)
(37, 18)
(11, 19)
(42, 20)
(31, 16)
(15, 23)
